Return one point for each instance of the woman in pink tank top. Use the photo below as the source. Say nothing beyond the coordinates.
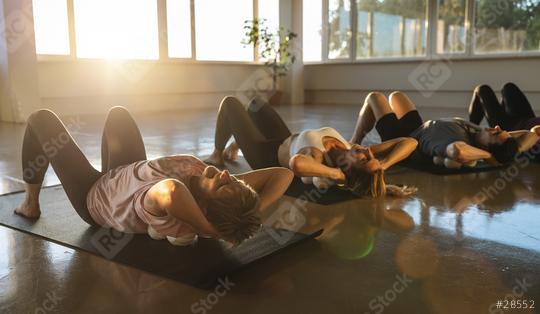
(175, 197)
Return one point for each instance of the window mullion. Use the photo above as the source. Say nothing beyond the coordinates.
(256, 17)
(432, 29)
(354, 29)
(163, 39)
(193, 31)
(469, 28)
(325, 31)
(71, 25)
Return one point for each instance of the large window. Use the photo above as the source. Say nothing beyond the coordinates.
(269, 11)
(219, 29)
(51, 26)
(312, 30)
(451, 31)
(126, 29)
(179, 28)
(339, 25)
(131, 29)
(390, 29)
(507, 26)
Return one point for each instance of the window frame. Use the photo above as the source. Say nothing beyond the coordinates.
(162, 40)
(431, 41)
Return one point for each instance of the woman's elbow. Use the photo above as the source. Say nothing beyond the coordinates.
(284, 175)
(295, 164)
(411, 143)
(536, 130)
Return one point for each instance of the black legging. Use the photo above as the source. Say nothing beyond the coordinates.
(514, 109)
(259, 131)
(47, 140)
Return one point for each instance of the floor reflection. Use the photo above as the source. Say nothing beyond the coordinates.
(463, 242)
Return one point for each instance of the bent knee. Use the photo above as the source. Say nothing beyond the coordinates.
(482, 89)
(402, 97)
(41, 115)
(375, 95)
(397, 94)
(375, 98)
(118, 111)
(231, 101)
(510, 87)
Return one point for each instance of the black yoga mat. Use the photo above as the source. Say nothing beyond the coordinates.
(310, 193)
(441, 170)
(201, 265)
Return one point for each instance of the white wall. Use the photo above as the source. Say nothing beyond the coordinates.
(19, 94)
(92, 86)
(350, 83)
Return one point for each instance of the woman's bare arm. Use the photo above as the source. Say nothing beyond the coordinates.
(311, 165)
(391, 152)
(270, 183)
(174, 198)
(526, 139)
(536, 130)
(465, 153)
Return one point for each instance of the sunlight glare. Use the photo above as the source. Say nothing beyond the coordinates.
(51, 27)
(117, 29)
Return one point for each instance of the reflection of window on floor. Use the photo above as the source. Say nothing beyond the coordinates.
(51, 27)
(507, 26)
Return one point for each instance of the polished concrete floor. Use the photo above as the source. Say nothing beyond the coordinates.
(464, 243)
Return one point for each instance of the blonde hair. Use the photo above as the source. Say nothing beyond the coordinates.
(374, 185)
(236, 215)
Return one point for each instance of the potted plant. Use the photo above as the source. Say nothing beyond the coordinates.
(274, 48)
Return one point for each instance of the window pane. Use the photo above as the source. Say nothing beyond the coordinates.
(339, 19)
(507, 26)
(451, 33)
(125, 29)
(51, 27)
(269, 10)
(220, 29)
(179, 28)
(312, 30)
(391, 28)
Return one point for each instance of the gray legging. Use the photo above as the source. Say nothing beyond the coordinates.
(259, 131)
(47, 140)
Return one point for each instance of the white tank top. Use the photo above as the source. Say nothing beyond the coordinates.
(314, 139)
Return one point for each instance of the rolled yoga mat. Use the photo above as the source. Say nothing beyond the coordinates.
(200, 265)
